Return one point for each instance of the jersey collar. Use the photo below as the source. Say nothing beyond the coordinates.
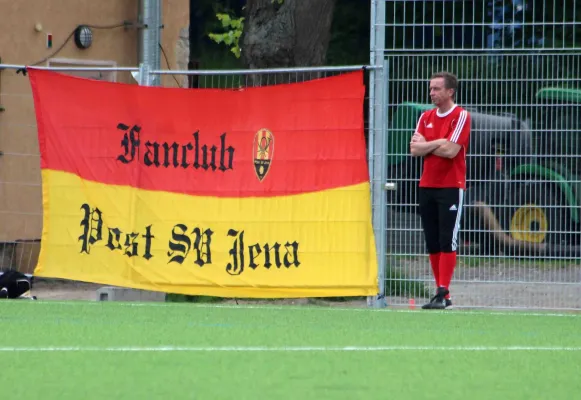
(446, 113)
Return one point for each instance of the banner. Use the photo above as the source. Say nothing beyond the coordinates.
(256, 192)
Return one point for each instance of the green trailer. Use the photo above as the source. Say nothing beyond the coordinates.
(524, 174)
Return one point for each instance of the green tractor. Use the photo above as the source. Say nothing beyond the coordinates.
(524, 176)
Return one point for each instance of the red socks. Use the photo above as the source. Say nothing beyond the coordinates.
(435, 262)
(443, 265)
(446, 269)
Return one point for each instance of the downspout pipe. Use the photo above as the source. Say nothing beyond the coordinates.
(150, 40)
(193, 62)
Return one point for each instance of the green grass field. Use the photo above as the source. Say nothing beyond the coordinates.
(100, 350)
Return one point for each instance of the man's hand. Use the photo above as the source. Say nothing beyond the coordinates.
(418, 138)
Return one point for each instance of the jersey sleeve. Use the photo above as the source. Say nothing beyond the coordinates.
(420, 126)
(461, 129)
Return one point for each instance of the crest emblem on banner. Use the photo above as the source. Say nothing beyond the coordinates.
(263, 150)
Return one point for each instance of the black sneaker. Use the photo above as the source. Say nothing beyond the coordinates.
(3, 293)
(438, 302)
(449, 303)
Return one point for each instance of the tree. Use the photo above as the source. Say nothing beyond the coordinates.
(285, 33)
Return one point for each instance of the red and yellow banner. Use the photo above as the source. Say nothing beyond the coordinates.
(258, 192)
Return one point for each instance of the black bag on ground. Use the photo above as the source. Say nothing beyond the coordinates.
(14, 285)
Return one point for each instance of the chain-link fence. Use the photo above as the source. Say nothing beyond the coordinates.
(519, 68)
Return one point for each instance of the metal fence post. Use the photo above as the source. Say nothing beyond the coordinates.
(144, 75)
(150, 38)
(377, 151)
(382, 173)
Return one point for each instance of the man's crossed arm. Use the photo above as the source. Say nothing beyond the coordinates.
(419, 147)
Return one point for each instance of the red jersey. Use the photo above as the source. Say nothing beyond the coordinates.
(454, 125)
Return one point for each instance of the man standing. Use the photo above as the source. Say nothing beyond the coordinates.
(441, 137)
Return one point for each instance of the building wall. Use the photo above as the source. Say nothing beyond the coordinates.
(24, 26)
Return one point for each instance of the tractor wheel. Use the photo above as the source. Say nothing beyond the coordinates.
(538, 215)
(474, 227)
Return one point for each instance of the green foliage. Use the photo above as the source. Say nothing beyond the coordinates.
(231, 36)
(397, 284)
(221, 22)
(233, 26)
(349, 42)
(184, 298)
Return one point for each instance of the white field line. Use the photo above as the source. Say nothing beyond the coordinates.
(288, 349)
(457, 311)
